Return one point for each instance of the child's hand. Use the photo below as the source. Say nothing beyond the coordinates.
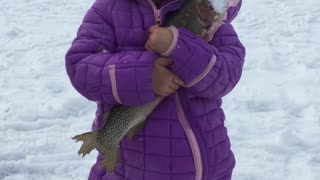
(164, 82)
(159, 40)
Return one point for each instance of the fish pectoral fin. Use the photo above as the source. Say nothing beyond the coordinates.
(89, 142)
(110, 160)
(134, 130)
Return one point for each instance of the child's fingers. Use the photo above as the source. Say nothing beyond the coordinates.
(170, 91)
(163, 61)
(177, 80)
(174, 86)
(164, 93)
(152, 28)
(161, 91)
(148, 47)
(167, 90)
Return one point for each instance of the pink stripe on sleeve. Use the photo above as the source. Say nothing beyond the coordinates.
(203, 74)
(112, 74)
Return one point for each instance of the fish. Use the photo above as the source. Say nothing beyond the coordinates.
(121, 120)
(199, 16)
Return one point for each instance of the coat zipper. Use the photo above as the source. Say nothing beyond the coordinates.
(158, 17)
(157, 12)
(194, 145)
(181, 115)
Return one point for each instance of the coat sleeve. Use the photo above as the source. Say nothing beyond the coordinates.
(209, 69)
(99, 73)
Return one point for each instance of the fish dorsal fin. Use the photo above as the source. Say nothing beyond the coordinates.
(106, 115)
(113, 110)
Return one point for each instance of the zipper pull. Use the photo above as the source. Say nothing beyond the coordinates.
(158, 16)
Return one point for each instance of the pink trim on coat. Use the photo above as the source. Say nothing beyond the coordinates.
(112, 74)
(175, 34)
(191, 138)
(203, 74)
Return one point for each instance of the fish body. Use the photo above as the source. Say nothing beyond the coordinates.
(120, 121)
(194, 15)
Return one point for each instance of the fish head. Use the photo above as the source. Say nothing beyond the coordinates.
(210, 11)
(211, 14)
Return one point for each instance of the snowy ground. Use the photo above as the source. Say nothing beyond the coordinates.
(271, 116)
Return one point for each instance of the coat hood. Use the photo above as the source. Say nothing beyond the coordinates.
(233, 10)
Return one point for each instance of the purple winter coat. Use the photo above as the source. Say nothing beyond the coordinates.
(184, 137)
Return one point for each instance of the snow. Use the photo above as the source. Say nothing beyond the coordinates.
(219, 5)
(271, 115)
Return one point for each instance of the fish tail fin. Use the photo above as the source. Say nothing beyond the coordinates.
(110, 160)
(89, 142)
(134, 130)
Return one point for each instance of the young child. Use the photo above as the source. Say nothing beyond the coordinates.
(120, 57)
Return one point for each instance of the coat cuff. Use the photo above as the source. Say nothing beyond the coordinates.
(175, 34)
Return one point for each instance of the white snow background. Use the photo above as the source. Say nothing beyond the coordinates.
(272, 114)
